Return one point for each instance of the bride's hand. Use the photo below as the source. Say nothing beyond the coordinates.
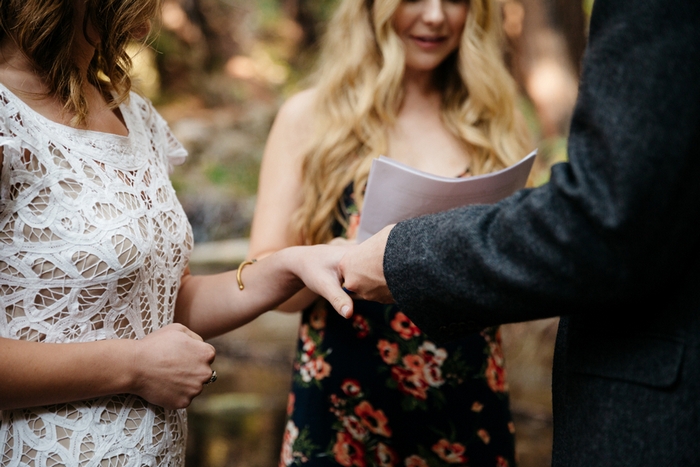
(317, 267)
(362, 269)
(342, 241)
(172, 366)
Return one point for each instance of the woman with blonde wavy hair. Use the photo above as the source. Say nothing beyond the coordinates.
(423, 82)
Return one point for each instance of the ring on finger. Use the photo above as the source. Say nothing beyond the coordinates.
(212, 378)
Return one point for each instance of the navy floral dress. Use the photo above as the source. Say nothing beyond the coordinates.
(375, 391)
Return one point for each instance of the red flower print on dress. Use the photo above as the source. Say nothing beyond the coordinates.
(385, 456)
(433, 357)
(389, 351)
(317, 368)
(452, 453)
(495, 372)
(432, 354)
(496, 352)
(484, 435)
(433, 375)
(404, 326)
(415, 461)
(410, 383)
(353, 426)
(501, 462)
(291, 432)
(351, 387)
(496, 375)
(337, 406)
(304, 332)
(414, 363)
(362, 326)
(309, 347)
(348, 452)
(317, 317)
(323, 368)
(353, 224)
(337, 401)
(374, 420)
(290, 403)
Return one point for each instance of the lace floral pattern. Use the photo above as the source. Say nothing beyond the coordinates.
(93, 243)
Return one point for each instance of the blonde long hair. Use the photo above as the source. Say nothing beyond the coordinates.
(359, 93)
(45, 31)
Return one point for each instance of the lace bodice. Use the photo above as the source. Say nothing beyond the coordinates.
(93, 243)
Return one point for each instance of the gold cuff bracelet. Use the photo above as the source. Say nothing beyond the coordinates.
(240, 268)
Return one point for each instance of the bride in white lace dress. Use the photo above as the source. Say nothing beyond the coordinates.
(94, 248)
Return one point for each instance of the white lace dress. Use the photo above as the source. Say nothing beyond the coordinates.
(93, 243)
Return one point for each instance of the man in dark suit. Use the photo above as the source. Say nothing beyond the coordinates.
(611, 244)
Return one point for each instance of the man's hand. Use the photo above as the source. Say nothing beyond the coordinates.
(341, 271)
(362, 268)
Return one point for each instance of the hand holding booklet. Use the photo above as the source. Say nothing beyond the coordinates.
(397, 192)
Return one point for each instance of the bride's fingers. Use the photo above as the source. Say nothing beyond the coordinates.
(339, 298)
(330, 284)
(317, 267)
(330, 288)
(340, 241)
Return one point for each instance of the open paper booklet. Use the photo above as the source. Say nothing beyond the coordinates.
(397, 192)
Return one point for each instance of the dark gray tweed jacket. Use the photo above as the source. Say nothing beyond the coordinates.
(611, 244)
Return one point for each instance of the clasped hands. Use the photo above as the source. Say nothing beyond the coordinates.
(340, 273)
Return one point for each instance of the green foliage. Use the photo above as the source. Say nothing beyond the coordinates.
(240, 176)
(303, 446)
(550, 151)
(322, 10)
(409, 404)
(270, 11)
(217, 174)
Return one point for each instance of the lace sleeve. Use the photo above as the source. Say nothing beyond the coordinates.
(6, 142)
(173, 150)
(176, 152)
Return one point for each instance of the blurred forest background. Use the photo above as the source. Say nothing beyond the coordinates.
(218, 70)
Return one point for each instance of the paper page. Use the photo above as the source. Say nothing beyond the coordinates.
(397, 192)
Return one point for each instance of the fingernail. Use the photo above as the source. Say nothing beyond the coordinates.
(344, 310)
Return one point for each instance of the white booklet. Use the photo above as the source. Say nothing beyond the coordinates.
(396, 192)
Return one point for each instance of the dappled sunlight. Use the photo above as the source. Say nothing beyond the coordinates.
(145, 73)
(258, 66)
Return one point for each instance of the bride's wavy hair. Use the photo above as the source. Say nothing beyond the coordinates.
(359, 92)
(44, 30)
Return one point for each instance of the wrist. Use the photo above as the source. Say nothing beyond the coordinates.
(290, 262)
(129, 367)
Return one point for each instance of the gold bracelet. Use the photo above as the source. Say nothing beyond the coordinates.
(240, 268)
